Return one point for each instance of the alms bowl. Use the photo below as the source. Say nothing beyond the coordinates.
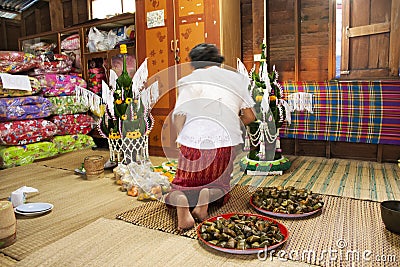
(390, 212)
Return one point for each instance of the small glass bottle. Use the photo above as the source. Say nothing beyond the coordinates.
(124, 81)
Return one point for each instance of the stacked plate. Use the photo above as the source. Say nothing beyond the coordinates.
(33, 209)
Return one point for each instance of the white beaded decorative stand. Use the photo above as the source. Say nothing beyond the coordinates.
(127, 150)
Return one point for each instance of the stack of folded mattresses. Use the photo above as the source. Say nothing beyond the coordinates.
(24, 131)
(69, 115)
(41, 120)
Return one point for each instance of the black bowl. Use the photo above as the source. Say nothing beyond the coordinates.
(390, 212)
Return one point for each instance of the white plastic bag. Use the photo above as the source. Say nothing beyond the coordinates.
(101, 40)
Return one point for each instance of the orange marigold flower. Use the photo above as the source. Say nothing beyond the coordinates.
(118, 101)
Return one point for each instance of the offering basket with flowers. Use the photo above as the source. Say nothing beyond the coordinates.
(262, 136)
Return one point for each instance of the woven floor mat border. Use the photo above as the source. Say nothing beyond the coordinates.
(347, 231)
(338, 177)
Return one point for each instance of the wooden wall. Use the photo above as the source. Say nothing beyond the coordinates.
(75, 11)
(283, 39)
(10, 31)
(343, 150)
(298, 43)
(36, 19)
(64, 13)
(247, 32)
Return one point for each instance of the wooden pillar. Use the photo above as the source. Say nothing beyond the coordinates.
(38, 26)
(394, 53)
(89, 9)
(3, 34)
(332, 40)
(247, 33)
(258, 25)
(344, 61)
(297, 38)
(75, 17)
(379, 155)
(56, 15)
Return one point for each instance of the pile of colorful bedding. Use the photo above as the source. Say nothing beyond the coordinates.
(39, 126)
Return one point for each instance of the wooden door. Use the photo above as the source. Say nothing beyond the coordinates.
(370, 36)
(209, 21)
(197, 21)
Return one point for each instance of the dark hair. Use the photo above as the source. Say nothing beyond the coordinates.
(203, 55)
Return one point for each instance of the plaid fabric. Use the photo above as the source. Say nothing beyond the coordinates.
(364, 112)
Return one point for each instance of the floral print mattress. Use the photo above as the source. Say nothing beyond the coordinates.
(73, 123)
(67, 105)
(23, 108)
(26, 131)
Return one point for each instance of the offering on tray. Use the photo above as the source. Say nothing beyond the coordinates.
(167, 169)
(242, 233)
(286, 202)
(170, 165)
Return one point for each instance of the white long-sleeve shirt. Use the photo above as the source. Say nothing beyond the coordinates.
(211, 99)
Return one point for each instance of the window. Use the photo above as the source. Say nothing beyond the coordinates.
(105, 8)
(367, 37)
(338, 37)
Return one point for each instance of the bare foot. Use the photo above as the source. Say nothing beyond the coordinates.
(200, 211)
(185, 218)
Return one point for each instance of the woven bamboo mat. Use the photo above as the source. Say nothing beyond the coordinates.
(108, 242)
(338, 177)
(6, 261)
(349, 226)
(72, 160)
(77, 203)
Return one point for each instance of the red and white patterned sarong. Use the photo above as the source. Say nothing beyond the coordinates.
(203, 168)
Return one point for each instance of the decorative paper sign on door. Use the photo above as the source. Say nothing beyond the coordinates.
(155, 19)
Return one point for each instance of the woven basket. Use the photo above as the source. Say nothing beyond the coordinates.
(94, 166)
(8, 224)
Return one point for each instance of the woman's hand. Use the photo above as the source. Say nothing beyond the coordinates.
(247, 116)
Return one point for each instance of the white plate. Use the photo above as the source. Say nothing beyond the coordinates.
(34, 207)
(31, 214)
(109, 164)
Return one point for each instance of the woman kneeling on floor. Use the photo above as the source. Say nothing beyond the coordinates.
(212, 102)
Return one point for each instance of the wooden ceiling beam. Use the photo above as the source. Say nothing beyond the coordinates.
(9, 11)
